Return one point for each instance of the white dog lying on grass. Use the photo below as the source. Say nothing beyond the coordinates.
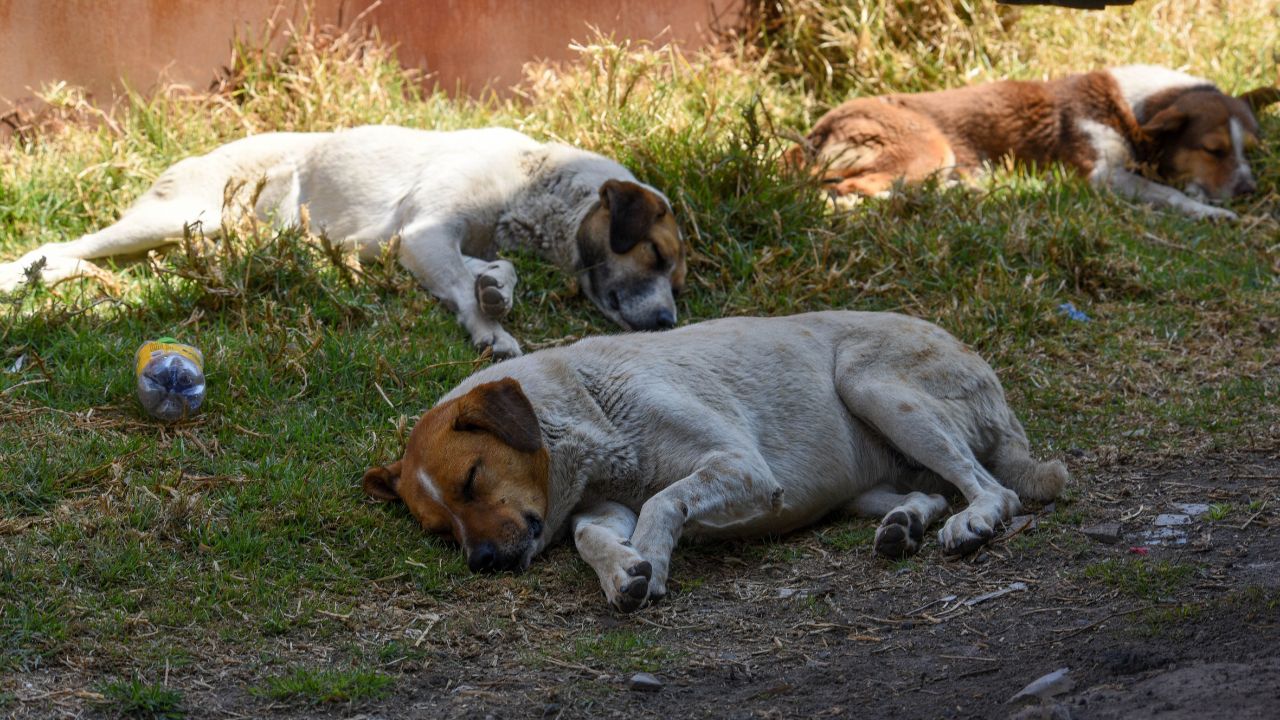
(453, 198)
(727, 428)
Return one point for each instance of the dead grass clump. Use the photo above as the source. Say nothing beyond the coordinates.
(308, 76)
(831, 49)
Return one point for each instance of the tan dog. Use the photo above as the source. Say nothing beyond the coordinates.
(1137, 130)
(727, 428)
(453, 198)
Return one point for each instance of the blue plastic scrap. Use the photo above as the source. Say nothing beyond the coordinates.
(1070, 311)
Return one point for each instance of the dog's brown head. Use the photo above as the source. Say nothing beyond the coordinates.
(631, 258)
(476, 469)
(1199, 137)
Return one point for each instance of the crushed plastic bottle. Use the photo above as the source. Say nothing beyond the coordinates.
(170, 379)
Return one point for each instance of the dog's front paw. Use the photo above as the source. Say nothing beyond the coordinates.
(504, 346)
(899, 535)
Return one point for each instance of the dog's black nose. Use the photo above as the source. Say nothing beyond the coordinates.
(664, 319)
(482, 557)
(1245, 187)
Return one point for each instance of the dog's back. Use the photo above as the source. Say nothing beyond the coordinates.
(779, 385)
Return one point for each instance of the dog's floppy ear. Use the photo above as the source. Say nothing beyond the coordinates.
(1168, 120)
(631, 214)
(1260, 98)
(380, 482)
(502, 410)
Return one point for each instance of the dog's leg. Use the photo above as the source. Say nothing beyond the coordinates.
(495, 285)
(150, 223)
(905, 518)
(917, 425)
(728, 488)
(602, 535)
(430, 249)
(1139, 188)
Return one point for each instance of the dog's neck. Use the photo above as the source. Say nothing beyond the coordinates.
(563, 186)
(588, 453)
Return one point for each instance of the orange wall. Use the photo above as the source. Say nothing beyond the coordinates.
(466, 43)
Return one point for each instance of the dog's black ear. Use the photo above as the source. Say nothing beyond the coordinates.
(502, 410)
(1167, 121)
(631, 213)
(380, 482)
(1260, 98)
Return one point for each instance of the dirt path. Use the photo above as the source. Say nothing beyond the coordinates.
(812, 626)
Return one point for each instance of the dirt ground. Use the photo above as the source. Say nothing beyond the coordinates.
(807, 627)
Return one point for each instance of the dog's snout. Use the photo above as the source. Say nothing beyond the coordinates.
(482, 557)
(664, 319)
(1245, 186)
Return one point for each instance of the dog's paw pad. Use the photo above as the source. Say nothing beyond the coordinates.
(894, 542)
(626, 602)
(494, 299)
(642, 569)
(899, 535)
(637, 588)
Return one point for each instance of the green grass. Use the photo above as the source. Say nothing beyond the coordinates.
(621, 650)
(138, 699)
(1218, 511)
(1141, 578)
(245, 531)
(1167, 623)
(849, 537)
(319, 686)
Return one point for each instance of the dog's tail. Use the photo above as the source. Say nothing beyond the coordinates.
(1014, 467)
(1039, 481)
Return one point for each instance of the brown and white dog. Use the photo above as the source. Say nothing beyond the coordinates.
(1138, 130)
(454, 199)
(727, 428)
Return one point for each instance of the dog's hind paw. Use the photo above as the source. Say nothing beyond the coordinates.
(899, 535)
(493, 298)
(495, 289)
(502, 344)
(634, 590)
(971, 528)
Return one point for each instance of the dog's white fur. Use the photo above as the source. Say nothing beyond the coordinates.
(745, 426)
(453, 199)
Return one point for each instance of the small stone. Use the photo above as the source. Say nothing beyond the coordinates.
(644, 682)
(1019, 524)
(1108, 533)
(1046, 686)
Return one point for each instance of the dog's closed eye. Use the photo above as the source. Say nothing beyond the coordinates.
(469, 487)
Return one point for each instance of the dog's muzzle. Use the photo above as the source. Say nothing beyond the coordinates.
(487, 557)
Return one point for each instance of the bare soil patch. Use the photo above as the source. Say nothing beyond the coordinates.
(812, 626)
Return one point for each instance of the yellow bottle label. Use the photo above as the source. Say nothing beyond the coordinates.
(149, 350)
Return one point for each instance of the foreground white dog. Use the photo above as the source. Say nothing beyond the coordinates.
(727, 428)
(453, 198)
